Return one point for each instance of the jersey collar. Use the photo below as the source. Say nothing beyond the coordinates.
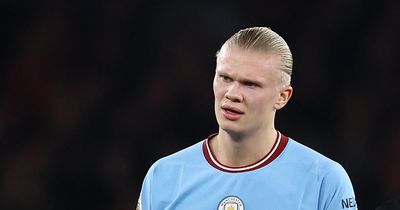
(280, 144)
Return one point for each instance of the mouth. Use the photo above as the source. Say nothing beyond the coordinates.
(232, 110)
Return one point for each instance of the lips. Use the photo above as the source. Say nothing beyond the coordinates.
(231, 113)
(232, 109)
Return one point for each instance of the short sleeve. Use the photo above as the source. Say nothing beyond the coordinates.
(336, 192)
(144, 201)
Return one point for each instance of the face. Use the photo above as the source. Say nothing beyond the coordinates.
(248, 90)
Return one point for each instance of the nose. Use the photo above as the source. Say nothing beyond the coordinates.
(233, 93)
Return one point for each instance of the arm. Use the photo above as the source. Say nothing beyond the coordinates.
(336, 192)
(144, 201)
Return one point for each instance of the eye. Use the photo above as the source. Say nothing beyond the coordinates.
(226, 78)
(250, 84)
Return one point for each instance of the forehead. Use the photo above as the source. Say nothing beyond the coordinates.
(248, 62)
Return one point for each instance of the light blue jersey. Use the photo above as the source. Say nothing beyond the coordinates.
(291, 176)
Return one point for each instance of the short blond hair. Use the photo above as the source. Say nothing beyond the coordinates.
(264, 40)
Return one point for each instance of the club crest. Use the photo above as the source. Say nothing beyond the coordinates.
(231, 203)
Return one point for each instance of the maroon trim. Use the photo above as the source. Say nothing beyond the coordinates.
(278, 151)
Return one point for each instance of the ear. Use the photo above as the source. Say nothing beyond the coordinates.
(284, 96)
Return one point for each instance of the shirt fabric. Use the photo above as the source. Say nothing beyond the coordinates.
(291, 176)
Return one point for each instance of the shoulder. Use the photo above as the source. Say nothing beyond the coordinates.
(190, 155)
(302, 154)
(166, 173)
(335, 187)
(324, 169)
(329, 173)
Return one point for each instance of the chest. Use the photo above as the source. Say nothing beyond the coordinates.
(230, 191)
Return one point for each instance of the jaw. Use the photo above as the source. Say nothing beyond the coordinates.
(234, 134)
(234, 128)
(243, 127)
(231, 126)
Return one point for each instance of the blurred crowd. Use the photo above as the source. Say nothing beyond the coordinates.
(93, 92)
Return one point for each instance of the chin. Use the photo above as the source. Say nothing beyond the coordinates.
(231, 127)
(235, 134)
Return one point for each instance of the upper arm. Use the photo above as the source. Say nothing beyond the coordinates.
(336, 192)
(144, 201)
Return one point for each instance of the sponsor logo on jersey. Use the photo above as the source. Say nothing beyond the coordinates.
(349, 203)
(231, 203)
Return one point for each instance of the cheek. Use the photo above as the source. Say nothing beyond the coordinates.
(218, 90)
(256, 104)
(263, 102)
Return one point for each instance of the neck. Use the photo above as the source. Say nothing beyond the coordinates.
(237, 149)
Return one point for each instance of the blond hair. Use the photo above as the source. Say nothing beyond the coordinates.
(264, 40)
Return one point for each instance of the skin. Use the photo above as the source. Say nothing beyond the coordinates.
(248, 91)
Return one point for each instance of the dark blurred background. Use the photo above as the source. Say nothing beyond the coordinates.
(93, 92)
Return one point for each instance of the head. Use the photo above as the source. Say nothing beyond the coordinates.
(265, 41)
(252, 80)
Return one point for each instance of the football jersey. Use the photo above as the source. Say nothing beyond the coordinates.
(291, 176)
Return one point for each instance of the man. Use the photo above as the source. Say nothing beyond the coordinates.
(248, 164)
